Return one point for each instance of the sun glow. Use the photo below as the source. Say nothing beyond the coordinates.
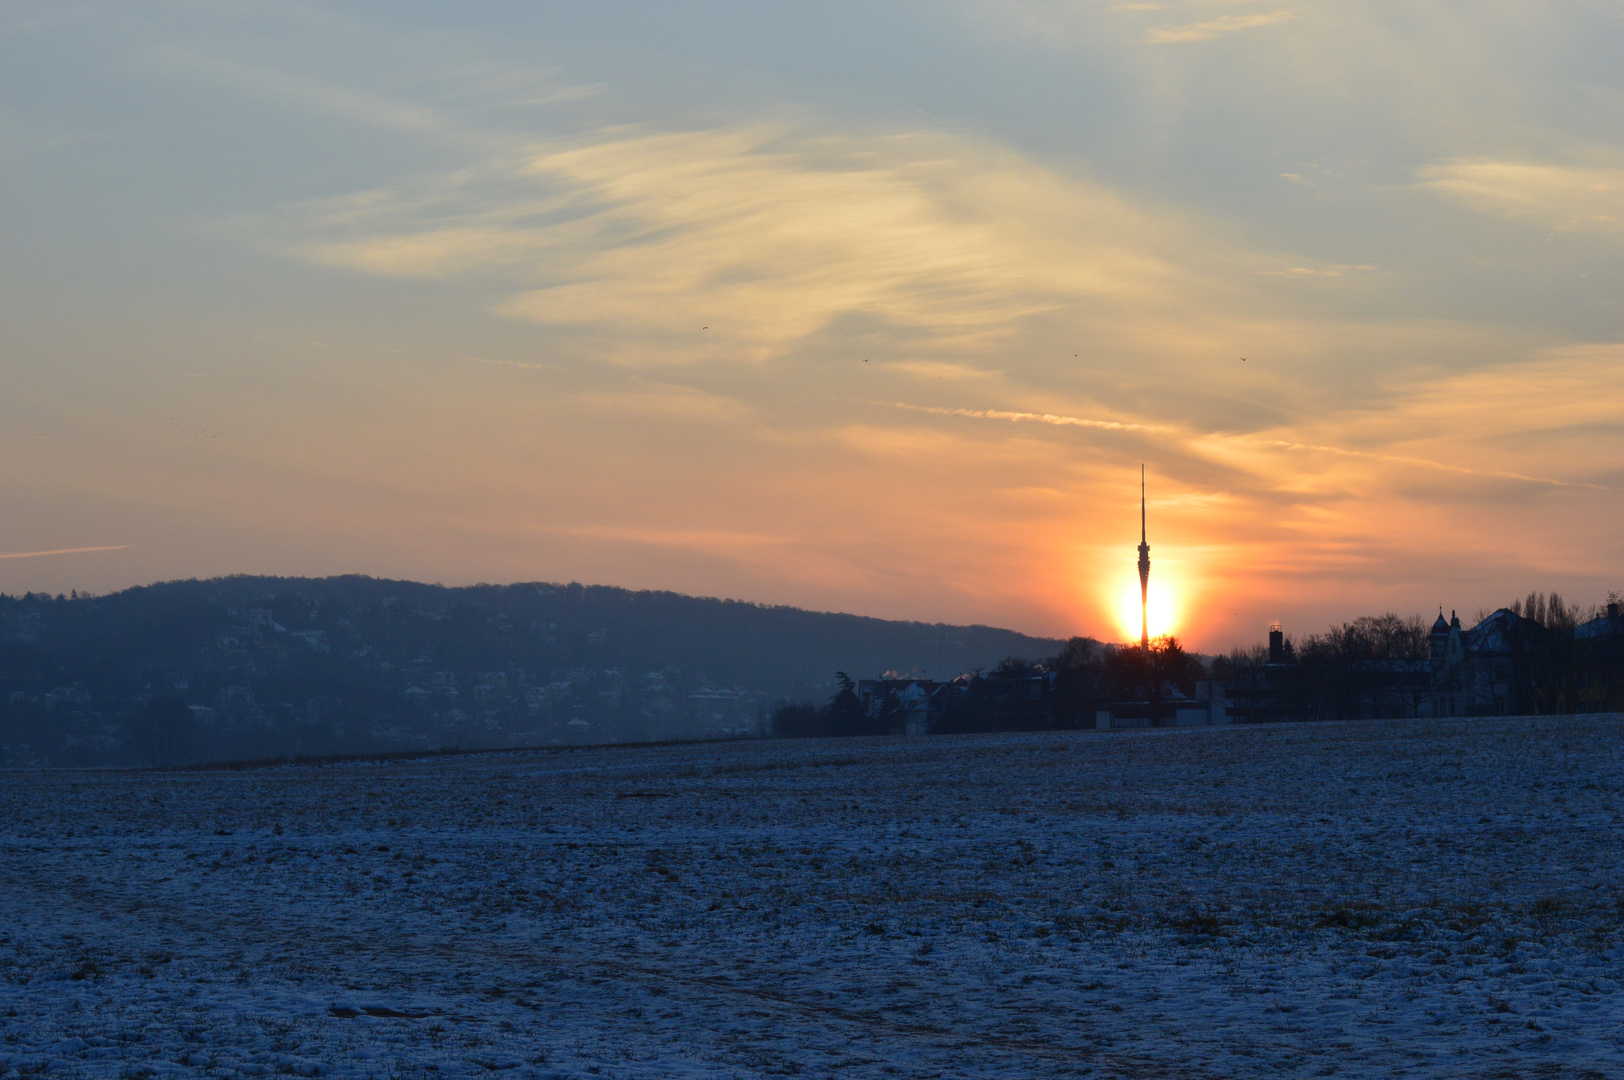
(1160, 608)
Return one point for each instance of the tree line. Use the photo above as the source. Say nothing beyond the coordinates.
(1382, 664)
(1059, 692)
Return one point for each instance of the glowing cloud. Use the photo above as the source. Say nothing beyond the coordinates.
(737, 242)
(1211, 28)
(1024, 417)
(1564, 197)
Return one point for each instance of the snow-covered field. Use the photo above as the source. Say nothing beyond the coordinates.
(1406, 898)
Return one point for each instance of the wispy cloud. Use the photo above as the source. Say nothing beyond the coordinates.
(526, 365)
(1062, 23)
(1457, 459)
(439, 106)
(1205, 30)
(1573, 198)
(61, 551)
(1208, 442)
(1398, 459)
(294, 88)
(669, 401)
(1053, 419)
(709, 540)
(943, 369)
(1329, 270)
(738, 242)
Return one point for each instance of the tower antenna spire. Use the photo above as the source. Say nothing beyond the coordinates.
(1144, 568)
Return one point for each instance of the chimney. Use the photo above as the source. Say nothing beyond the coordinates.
(1277, 645)
(1612, 609)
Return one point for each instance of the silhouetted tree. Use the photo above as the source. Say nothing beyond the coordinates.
(1017, 695)
(1369, 637)
(843, 715)
(1350, 667)
(1551, 611)
(797, 722)
(844, 711)
(1150, 674)
(1076, 695)
(162, 731)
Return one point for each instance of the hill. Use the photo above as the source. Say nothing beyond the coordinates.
(262, 666)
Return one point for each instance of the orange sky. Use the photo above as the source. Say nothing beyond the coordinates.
(876, 311)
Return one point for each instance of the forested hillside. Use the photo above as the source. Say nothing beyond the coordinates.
(254, 666)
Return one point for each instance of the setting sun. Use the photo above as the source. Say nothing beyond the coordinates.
(1161, 609)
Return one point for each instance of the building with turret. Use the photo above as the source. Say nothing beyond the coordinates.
(1501, 667)
(1506, 665)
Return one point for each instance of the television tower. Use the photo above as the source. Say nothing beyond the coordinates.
(1144, 569)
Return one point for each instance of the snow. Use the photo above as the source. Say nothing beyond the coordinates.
(1434, 898)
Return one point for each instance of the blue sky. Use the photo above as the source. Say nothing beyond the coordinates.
(866, 307)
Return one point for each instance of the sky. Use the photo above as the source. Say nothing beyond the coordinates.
(868, 307)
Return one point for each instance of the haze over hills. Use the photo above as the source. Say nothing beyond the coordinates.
(262, 666)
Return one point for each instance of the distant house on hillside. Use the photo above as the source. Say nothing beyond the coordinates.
(1013, 697)
(917, 705)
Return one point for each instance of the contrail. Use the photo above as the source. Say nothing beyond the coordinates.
(1019, 417)
(1370, 455)
(60, 551)
(513, 363)
(1276, 444)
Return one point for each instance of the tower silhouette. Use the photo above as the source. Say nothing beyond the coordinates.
(1144, 569)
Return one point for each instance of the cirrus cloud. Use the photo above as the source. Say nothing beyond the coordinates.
(1180, 33)
(739, 242)
(1570, 198)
